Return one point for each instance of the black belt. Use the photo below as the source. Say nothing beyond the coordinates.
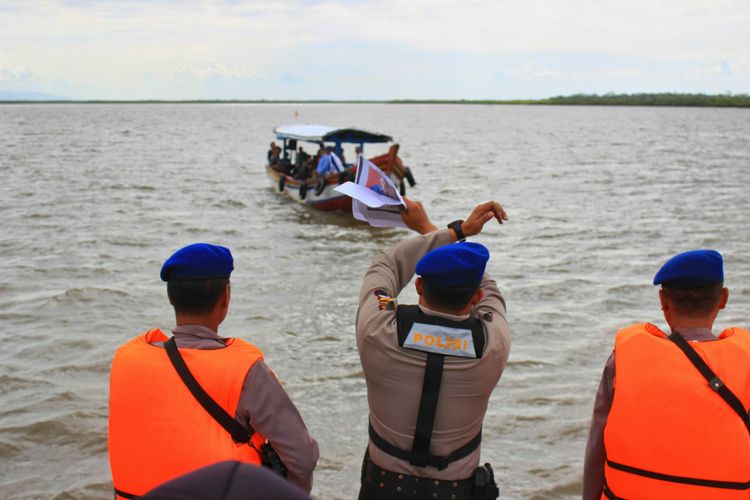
(381, 484)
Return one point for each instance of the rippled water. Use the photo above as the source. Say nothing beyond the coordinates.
(94, 197)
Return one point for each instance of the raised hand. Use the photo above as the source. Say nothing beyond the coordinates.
(415, 217)
(481, 214)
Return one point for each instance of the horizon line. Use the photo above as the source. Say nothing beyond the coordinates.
(643, 99)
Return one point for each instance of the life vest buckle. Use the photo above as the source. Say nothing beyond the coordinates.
(716, 384)
(442, 463)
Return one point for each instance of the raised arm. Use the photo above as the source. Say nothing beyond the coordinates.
(392, 269)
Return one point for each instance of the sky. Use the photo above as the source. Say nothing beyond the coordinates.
(378, 50)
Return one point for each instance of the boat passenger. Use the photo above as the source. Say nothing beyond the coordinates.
(336, 162)
(430, 368)
(274, 154)
(302, 157)
(302, 164)
(175, 400)
(672, 421)
(329, 163)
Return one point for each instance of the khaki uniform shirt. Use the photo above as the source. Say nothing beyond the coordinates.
(394, 375)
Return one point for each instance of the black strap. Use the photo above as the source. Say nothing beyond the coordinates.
(124, 494)
(727, 485)
(608, 492)
(439, 463)
(239, 433)
(433, 376)
(714, 382)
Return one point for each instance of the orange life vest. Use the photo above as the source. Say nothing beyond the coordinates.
(157, 430)
(668, 434)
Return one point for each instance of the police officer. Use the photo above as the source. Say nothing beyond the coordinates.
(430, 368)
(180, 403)
(671, 421)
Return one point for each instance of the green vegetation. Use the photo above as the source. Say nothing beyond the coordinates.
(660, 99)
(664, 99)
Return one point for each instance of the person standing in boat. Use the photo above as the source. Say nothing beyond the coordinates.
(672, 421)
(183, 402)
(302, 157)
(430, 368)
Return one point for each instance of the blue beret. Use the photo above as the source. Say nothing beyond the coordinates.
(198, 261)
(458, 264)
(692, 269)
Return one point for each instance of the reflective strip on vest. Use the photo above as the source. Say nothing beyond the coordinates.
(157, 430)
(668, 434)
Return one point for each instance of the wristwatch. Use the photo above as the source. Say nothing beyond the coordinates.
(456, 226)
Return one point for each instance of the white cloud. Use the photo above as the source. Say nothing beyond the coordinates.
(538, 71)
(212, 70)
(17, 75)
(533, 70)
(120, 48)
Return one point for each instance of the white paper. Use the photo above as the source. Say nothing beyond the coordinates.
(375, 198)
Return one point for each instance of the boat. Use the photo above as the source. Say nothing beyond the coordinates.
(292, 170)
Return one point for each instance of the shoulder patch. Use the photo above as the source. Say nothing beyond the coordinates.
(385, 301)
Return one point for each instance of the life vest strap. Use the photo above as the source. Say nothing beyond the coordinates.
(124, 494)
(239, 434)
(714, 382)
(727, 485)
(608, 492)
(439, 463)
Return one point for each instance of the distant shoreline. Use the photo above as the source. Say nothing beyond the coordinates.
(658, 99)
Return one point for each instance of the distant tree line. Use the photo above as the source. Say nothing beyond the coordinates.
(661, 99)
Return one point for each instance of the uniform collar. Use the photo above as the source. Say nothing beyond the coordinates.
(197, 331)
(453, 317)
(696, 334)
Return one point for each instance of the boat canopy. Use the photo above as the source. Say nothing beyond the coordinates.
(323, 133)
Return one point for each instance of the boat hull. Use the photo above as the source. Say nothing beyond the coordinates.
(328, 199)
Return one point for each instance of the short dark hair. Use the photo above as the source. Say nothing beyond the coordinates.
(694, 302)
(449, 297)
(196, 296)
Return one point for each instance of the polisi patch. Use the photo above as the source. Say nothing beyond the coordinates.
(440, 339)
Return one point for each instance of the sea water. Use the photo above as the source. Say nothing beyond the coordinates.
(93, 198)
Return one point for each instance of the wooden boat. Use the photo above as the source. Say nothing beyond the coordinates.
(292, 171)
